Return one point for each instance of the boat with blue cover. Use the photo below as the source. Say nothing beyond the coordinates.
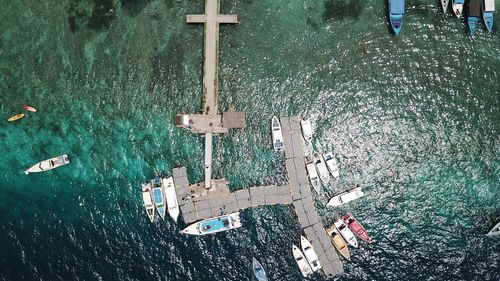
(488, 9)
(158, 196)
(396, 14)
(457, 6)
(258, 270)
(214, 225)
(474, 14)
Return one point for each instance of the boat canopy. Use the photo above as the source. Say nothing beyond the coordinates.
(147, 199)
(158, 195)
(489, 5)
(397, 7)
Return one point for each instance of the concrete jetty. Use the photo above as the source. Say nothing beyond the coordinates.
(197, 203)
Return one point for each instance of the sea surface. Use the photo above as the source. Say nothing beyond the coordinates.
(414, 120)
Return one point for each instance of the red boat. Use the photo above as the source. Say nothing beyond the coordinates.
(356, 227)
(29, 108)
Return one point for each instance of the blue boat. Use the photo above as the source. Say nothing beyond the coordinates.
(214, 225)
(488, 9)
(474, 14)
(396, 13)
(158, 196)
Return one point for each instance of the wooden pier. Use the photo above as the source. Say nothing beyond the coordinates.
(197, 203)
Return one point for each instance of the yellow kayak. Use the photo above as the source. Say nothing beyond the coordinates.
(16, 117)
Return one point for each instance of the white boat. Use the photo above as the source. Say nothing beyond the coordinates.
(307, 131)
(304, 266)
(346, 233)
(148, 201)
(345, 197)
(457, 6)
(171, 196)
(323, 173)
(214, 225)
(158, 197)
(331, 163)
(313, 177)
(310, 254)
(278, 144)
(444, 5)
(258, 270)
(49, 164)
(495, 230)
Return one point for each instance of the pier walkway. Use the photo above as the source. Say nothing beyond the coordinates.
(198, 203)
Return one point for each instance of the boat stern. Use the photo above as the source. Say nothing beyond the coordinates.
(472, 23)
(488, 20)
(457, 9)
(396, 23)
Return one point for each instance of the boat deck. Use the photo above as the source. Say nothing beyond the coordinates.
(196, 203)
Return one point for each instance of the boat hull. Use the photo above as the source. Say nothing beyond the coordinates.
(49, 164)
(488, 20)
(310, 254)
(258, 270)
(338, 242)
(331, 163)
(313, 177)
(301, 261)
(323, 172)
(159, 201)
(346, 233)
(444, 5)
(495, 230)
(457, 7)
(29, 108)
(214, 225)
(306, 129)
(396, 14)
(345, 197)
(472, 23)
(16, 117)
(356, 227)
(396, 23)
(277, 135)
(171, 198)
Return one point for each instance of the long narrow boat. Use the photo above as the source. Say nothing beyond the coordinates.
(313, 176)
(147, 200)
(495, 230)
(488, 9)
(457, 7)
(356, 227)
(474, 15)
(171, 197)
(278, 144)
(258, 270)
(346, 233)
(338, 242)
(331, 163)
(307, 131)
(396, 14)
(214, 225)
(304, 266)
(29, 108)
(310, 254)
(323, 172)
(16, 117)
(49, 164)
(444, 5)
(159, 197)
(345, 197)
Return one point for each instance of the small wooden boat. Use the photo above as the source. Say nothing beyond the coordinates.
(146, 189)
(396, 14)
(304, 266)
(16, 117)
(258, 270)
(495, 230)
(307, 131)
(345, 197)
(310, 254)
(457, 7)
(313, 176)
(323, 172)
(171, 196)
(159, 197)
(49, 164)
(214, 225)
(356, 227)
(278, 144)
(29, 108)
(338, 242)
(346, 233)
(474, 14)
(488, 9)
(444, 5)
(331, 163)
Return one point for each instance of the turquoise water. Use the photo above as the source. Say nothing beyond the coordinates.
(413, 119)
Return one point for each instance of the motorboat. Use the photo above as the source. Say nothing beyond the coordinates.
(313, 176)
(346, 197)
(356, 227)
(444, 5)
(473, 15)
(396, 14)
(49, 164)
(171, 197)
(331, 163)
(338, 242)
(346, 233)
(307, 131)
(304, 266)
(457, 6)
(258, 270)
(495, 230)
(310, 254)
(278, 144)
(488, 9)
(158, 197)
(323, 172)
(146, 189)
(214, 225)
